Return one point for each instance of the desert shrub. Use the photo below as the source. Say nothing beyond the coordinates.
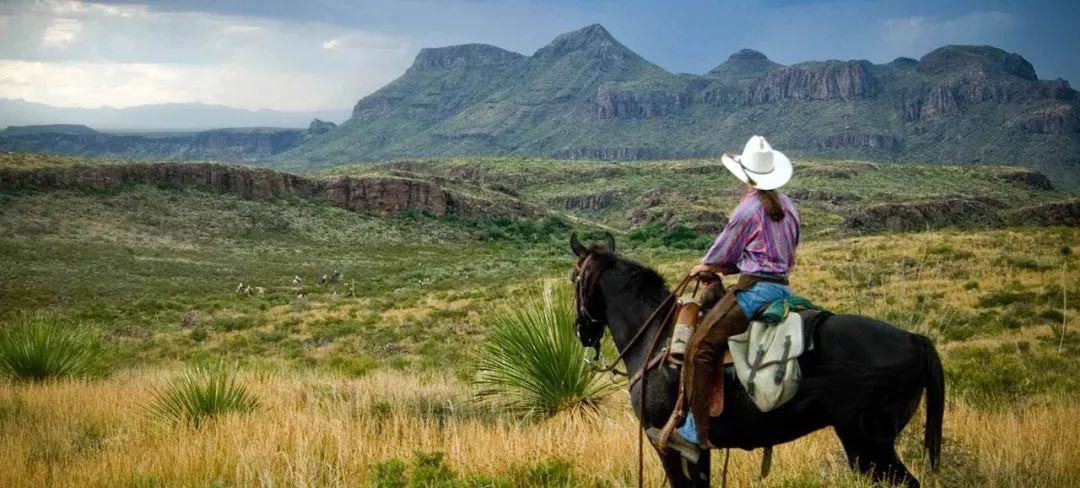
(1022, 263)
(429, 470)
(199, 334)
(201, 394)
(678, 236)
(946, 252)
(389, 474)
(1005, 297)
(1052, 315)
(531, 362)
(38, 348)
(234, 323)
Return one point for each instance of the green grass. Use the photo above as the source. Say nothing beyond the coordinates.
(42, 347)
(200, 395)
(531, 361)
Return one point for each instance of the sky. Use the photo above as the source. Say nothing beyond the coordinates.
(327, 54)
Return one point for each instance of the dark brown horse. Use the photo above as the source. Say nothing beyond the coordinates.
(863, 377)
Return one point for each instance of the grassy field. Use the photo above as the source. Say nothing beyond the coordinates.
(360, 378)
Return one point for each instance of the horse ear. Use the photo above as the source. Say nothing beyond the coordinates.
(575, 246)
(609, 241)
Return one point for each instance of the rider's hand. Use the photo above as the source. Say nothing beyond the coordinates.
(703, 268)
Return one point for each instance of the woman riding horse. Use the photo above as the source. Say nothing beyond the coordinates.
(758, 243)
(863, 377)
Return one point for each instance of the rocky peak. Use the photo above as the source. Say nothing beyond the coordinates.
(904, 63)
(464, 55)
(320, 127)
(990, 60)
(594, 38)
(745, 63)
(747, 55)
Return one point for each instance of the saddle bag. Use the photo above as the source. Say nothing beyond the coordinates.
(766, 360)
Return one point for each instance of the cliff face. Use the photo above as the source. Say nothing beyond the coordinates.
(613, 103)
(381, 195)
(825, 81)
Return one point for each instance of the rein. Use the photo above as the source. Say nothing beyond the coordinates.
(649, 364)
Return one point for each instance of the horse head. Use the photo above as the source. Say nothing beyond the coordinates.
(588, 300)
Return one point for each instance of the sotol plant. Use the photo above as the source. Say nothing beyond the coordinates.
(41, 347)
(532, 361)
(201, 394)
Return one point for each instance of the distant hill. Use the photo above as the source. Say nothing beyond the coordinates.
(585, 95)
(167, 116)
(239, 144)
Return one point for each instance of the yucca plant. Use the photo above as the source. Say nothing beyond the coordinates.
(201, 394)
(532, 362)
(43, 347)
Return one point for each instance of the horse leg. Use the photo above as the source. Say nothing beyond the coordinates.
(683, 474)
(896, 472)
(874, 457)
(673, 468)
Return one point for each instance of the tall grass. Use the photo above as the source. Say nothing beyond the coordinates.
(43, 347)
(532, 360)
(201, 394)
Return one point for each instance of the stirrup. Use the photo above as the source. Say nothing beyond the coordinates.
(688, 450)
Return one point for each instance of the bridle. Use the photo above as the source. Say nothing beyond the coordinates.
(580, 279)
(583, 278)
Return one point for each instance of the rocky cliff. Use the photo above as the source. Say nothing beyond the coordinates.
(382, 195)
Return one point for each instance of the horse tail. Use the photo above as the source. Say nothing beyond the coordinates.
(934, 382)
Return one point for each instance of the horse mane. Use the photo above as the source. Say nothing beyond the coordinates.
(641, 281)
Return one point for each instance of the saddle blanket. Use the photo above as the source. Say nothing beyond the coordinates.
(766, 360)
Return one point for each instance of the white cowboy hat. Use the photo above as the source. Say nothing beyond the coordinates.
(759, 165)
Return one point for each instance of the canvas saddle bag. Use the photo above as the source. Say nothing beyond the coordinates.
(766, 360)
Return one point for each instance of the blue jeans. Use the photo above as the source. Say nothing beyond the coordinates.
(760, 294)
(749, 301)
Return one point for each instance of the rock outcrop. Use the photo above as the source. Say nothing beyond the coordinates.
(1029, 179)
(605, 153)
(856, 140)
(929, 214)
(381, 195)
(1059, 119)
(1058, 213)
(819, 81)
(589, 201)
(611, 102)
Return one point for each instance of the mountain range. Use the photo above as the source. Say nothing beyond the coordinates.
(587, 96)
(157, 117)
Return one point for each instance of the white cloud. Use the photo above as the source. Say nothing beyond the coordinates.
(75, 54)
(60, 33)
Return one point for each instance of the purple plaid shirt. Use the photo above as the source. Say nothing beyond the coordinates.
(752, 243)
